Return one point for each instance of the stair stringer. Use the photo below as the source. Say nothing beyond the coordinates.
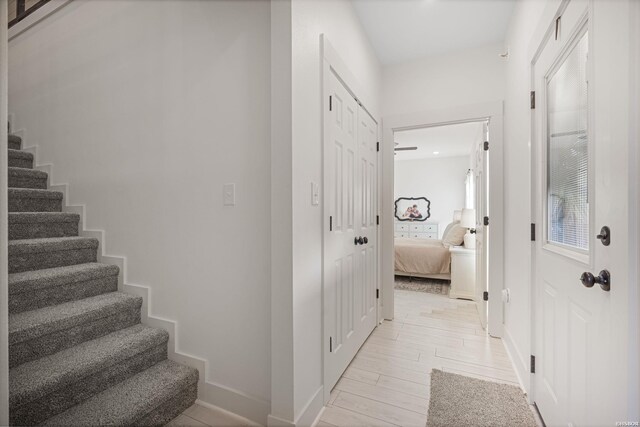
(237, 403)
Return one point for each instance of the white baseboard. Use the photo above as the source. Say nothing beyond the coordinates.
(240, 420)
(312, 410)
(273, 421)
(209, 393)
(519, 362)
(308, 417)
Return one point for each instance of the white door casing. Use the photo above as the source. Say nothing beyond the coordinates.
(493, 112)
(580, 334)
(350, 205)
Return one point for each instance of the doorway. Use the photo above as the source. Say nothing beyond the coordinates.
(488, 293)
(440, 193)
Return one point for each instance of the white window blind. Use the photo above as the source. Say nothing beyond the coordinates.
(568, 138)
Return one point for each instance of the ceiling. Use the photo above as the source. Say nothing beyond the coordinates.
(405, 30)
(447, 141)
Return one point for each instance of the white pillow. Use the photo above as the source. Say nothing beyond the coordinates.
(454, 236)
(448, 228)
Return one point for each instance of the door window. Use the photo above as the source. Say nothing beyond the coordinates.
(567, 150)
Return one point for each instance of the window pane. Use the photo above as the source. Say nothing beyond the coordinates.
(567, 116)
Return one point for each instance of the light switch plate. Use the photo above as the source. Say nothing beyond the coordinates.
(229, 194)
(315, 194)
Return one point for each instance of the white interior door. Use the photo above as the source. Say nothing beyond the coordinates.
(350, 237)
(367, 227)
(482, 236)
(580, 108)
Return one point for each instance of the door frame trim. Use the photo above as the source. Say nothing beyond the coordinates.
(331, 62)
(494, 112)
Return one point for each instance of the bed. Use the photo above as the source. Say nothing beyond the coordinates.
(428, 258)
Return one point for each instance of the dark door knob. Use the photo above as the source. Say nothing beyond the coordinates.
(588, 279)
(358, 241)
(603, 279)
(365, 240)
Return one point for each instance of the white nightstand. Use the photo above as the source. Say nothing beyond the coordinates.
(463, 272)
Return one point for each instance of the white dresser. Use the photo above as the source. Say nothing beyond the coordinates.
(416, 230)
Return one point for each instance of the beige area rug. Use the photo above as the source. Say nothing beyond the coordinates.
(457, 400)
(430, 286)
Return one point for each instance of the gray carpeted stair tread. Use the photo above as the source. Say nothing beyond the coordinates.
(38, 217)
(38, 225)
(34, 200)
(28, 281)
(20, 159)
(27, 178)
(152, 397)
(31, 246)
(30, 290)
(35, 323)
(37, 254)
(45, 387)
(37, 333)
(14, 142)
(35, 193)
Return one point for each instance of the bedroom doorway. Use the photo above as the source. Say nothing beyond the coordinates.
(440, 202)
(475, 275)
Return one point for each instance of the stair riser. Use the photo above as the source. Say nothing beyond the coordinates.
(60, 400)
(19, 162)
(182, 400)
(27, 182)
(50, 259)
(28, 204)
(14, 145)
(54, 295)
(44, 345)
(42, 230)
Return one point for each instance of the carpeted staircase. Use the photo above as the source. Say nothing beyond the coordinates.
(78, 353)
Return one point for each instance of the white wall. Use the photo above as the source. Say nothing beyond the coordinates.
(517, 185)
(459, 78)
(335, 19)
(442, 181)
(146, 109)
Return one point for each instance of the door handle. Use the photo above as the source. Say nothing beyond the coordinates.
(605, 236)
(358, 241)
(365, 240)
(603, 279)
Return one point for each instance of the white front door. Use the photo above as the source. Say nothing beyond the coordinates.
(580, 184)
(482, 236)
(350, 234)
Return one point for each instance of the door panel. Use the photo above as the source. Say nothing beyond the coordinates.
(482, 235)
(580, 355)
(350, 172)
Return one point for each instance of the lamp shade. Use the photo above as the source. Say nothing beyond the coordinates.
(468, 218)
(457, 216)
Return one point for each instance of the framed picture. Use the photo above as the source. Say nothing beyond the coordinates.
(412, 209)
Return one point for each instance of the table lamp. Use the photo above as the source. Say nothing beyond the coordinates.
(468, 221)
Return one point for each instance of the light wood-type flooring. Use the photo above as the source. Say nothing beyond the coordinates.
(388, 381)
